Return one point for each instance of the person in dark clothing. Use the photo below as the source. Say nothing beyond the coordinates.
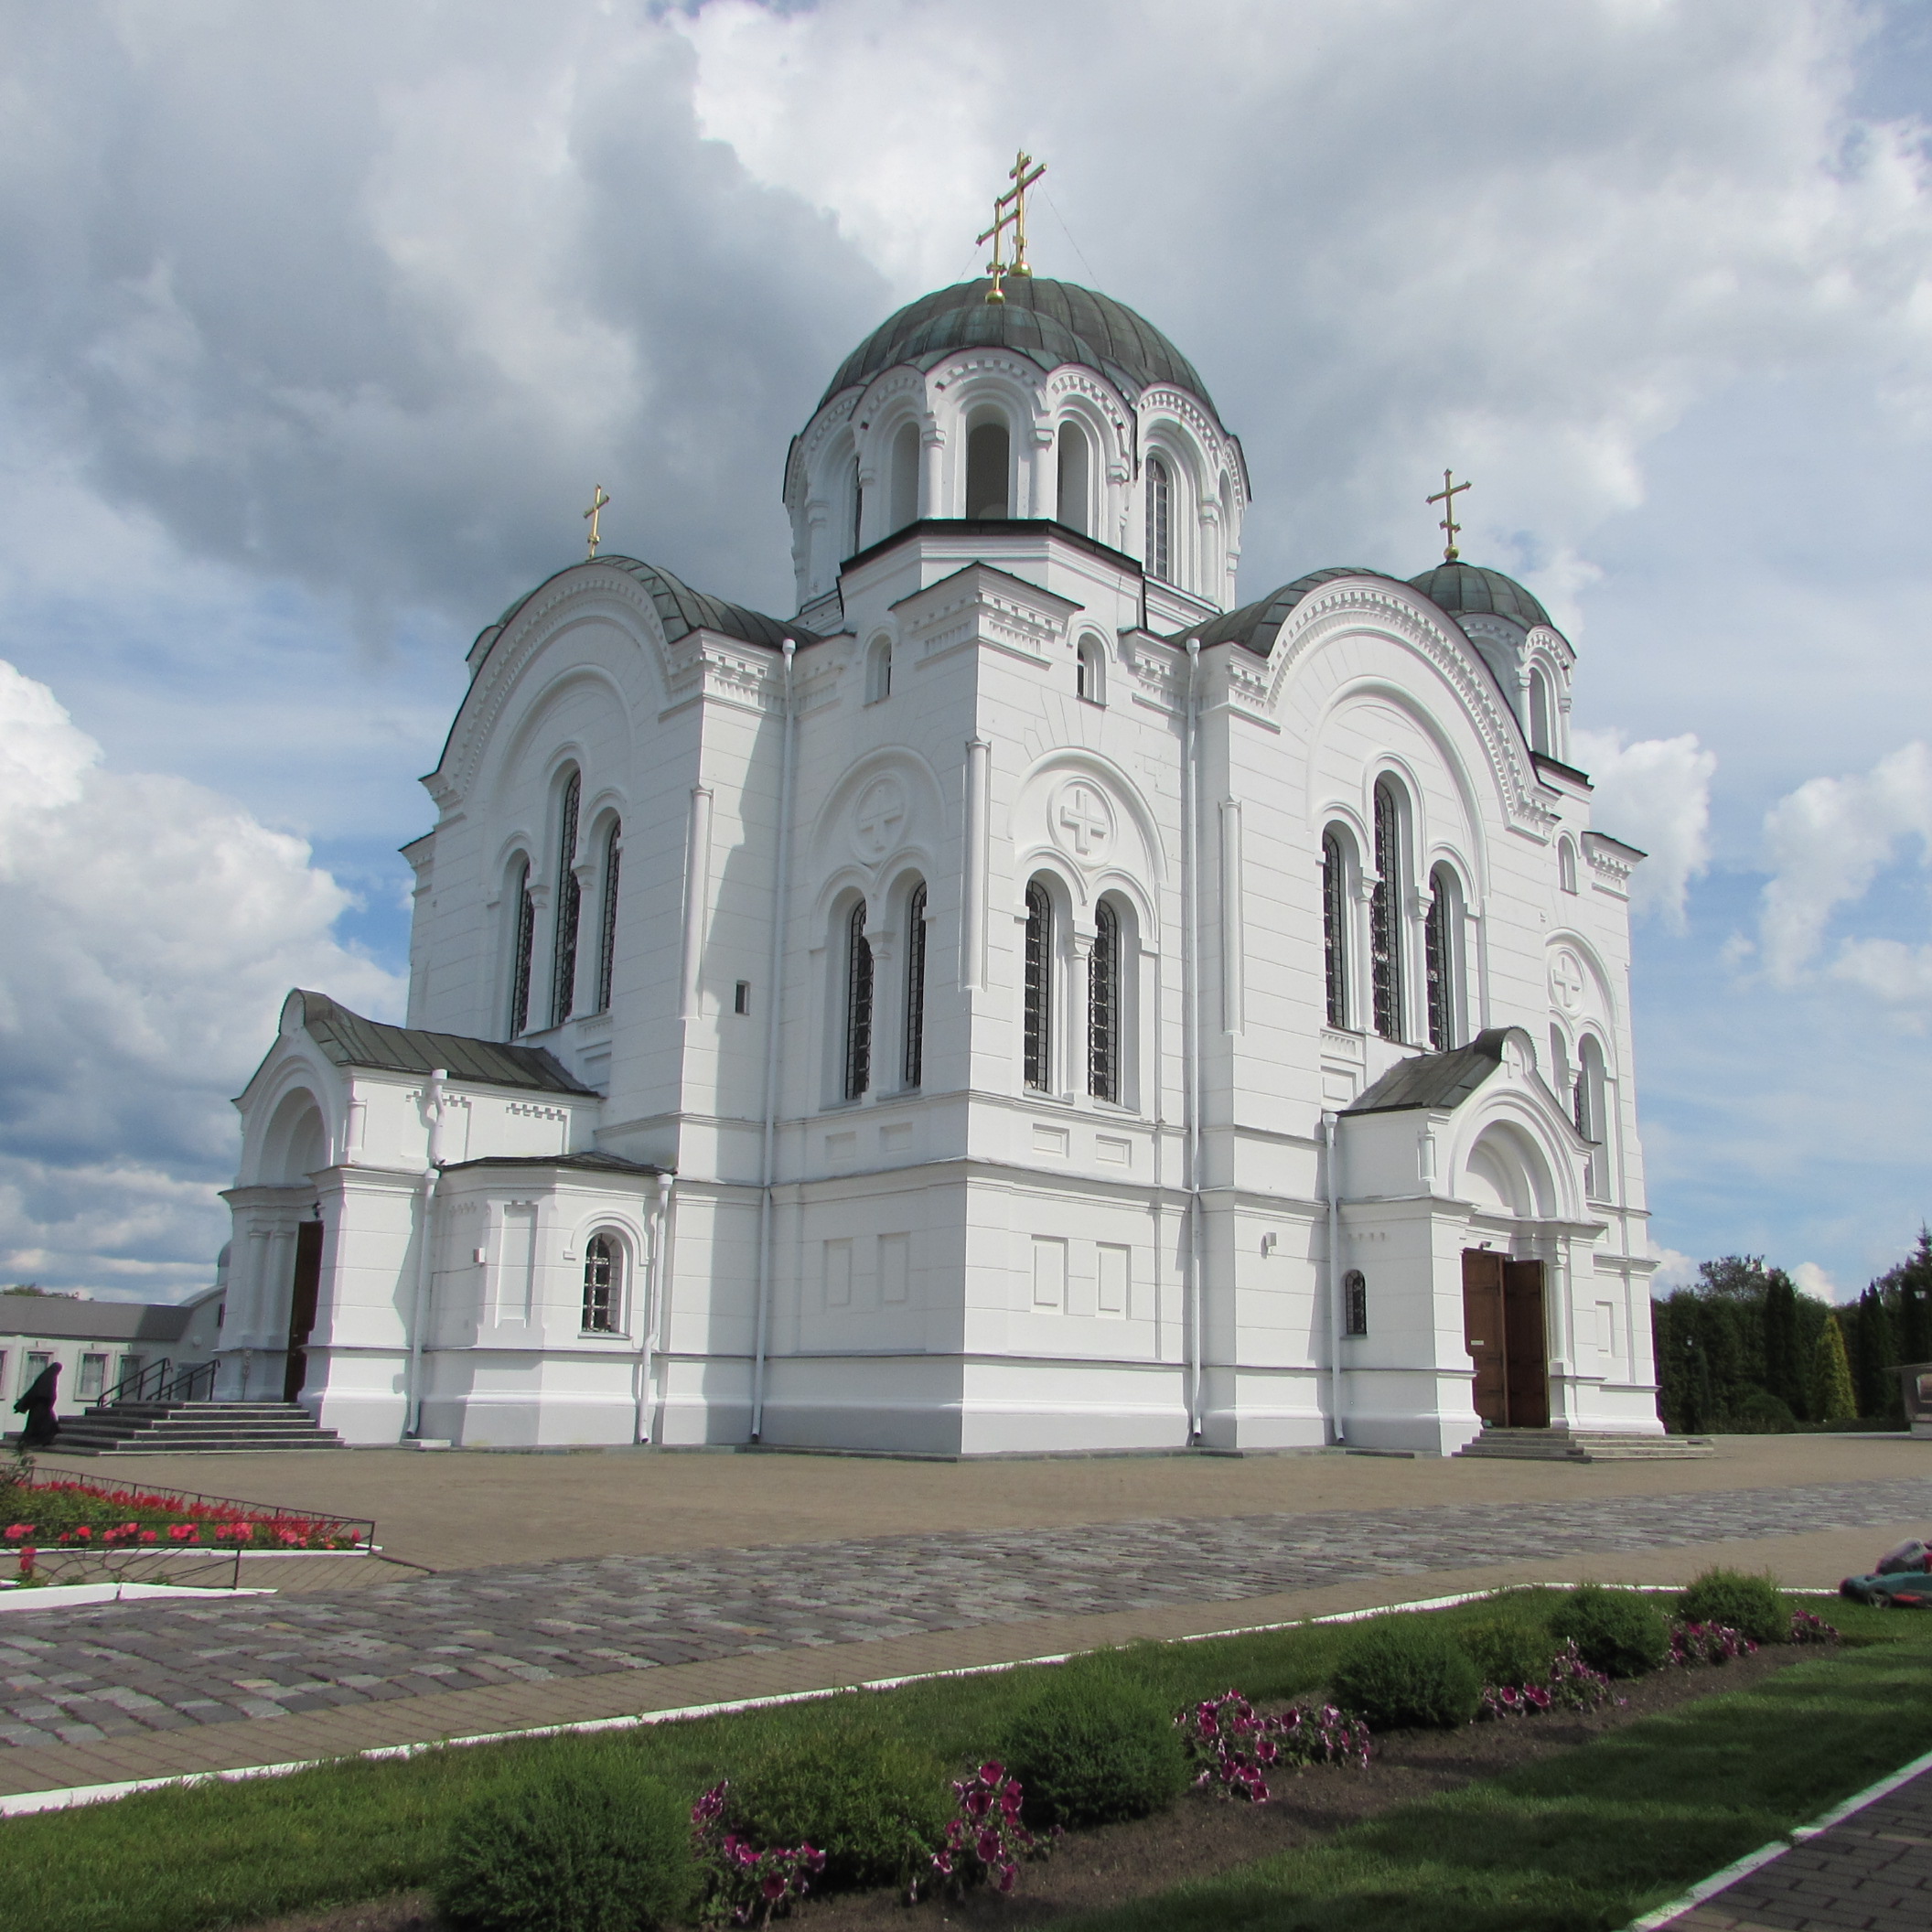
(38, 1406)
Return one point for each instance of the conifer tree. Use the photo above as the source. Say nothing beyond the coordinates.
(1913, 1279)
(1784, 1365)
(1833, 1400)
(1873, 1356)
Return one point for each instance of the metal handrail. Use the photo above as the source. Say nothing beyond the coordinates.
(159, 1382)
(192, 1385)
(134, 1388)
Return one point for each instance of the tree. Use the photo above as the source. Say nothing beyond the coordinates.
(1832, 1399)
(1911, 1280)
(1784, 1365)
(1873, 1356)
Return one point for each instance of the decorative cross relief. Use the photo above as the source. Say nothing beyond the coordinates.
(876, 818)
(1082, 820)
(1566, 981)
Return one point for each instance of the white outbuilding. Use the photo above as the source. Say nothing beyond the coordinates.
(1026, 1001)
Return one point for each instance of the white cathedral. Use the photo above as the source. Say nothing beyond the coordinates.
(1024, 1002)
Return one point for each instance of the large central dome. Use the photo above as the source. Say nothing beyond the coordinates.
(1052, 322)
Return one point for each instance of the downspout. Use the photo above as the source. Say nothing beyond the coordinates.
(1191, 956)
(648, 1315)
(419, 1310)
(1332, 1143)
(773, 1008)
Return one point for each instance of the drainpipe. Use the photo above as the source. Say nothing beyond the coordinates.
(646, 1317)
(1191, 954)
(1332, 1143)
(419, 1309)
(773, 1005)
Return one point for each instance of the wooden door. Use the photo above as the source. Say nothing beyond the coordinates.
(1483, 1333)
(302, 1307)
(1527, 1372)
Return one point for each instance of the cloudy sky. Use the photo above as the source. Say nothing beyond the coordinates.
(318, 322)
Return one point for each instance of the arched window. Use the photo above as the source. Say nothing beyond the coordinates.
(523, 944)
(858, 1005)
(1335, 927)
(1540, 736)
(1354, 1302)
(1070, 500)
(603, 1284)
(858, 511)
(1037, 1045)
(1591, 1113)
(916, 985)
(1160, 520)
(878, 670)
(1439, 944)
(906, 475)
(988, 470)
(1103, 1006)
(569, 905)
(607, 924)
(1385, 913)
(1090, 670)
(1566, 865)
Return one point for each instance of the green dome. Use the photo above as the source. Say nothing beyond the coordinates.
(1052, 322)
(1469, 590)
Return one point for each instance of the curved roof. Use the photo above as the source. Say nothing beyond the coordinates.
(350, 1040)
(681, 610)
(1256, 626)
(1052, 322)
(1461, 589)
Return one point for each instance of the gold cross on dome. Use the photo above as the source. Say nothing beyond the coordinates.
(1446, 497)
(597, 500)
(1009, 210)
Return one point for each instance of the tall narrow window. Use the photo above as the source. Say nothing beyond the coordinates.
(1593, 1115)
(1354, 1302)
(569, 905)
(603, 1284)
(1090, 670)
(1103, 1006)
(523, 940)
(916, 987)
(858, 508)
(858, 1005)
(1385, 915)
(1038, 1044)
(1160, 520)
(906, 475)
(1541, 737)
(878, 670)
(608, 925)
(1566, 865)
(1070, 496)
(988, 465)
(1334, 928)
(1438, 952)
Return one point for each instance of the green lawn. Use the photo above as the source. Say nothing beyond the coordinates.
(1725, 1776)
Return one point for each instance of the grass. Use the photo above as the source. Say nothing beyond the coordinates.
(213, 1856)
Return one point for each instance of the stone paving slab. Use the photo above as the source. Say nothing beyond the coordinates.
(1869, 1872)
(86, 1676)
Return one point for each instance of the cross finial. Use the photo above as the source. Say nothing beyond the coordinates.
(1009, 210)
(1446, 497)
(597, 500)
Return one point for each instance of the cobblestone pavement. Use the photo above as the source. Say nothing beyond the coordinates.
(1871, 1871)
(79, 1675)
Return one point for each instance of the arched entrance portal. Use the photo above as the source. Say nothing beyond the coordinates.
(294, 1147)
(1505, 1326)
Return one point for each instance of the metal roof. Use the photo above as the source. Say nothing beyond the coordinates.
(1468, 587)
(350, 1040)
(1049, 322)
(58, 1319)
(681, 610)
(591, 1161)
(1438, 1082)
(1256, 626)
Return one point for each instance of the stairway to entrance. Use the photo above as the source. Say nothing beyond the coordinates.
(151, 1428)
(1583, 1445)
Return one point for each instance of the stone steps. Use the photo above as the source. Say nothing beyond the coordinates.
(156, 1428)
(1583, 1445)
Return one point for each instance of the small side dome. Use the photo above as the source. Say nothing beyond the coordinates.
(1461, 589)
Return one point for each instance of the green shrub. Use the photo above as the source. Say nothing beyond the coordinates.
(1759, 1412)
(1616, 1631)
(1401, 1671)
(598, 1848)
(1094, 1747)
(1507, 1650)
(1753, 1605)
(876, 1807)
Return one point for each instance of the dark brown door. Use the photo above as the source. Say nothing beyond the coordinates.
(1483, 1332)
(1528, 1374)
(302, 1307)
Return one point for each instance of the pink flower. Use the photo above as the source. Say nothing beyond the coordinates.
(15, 1531)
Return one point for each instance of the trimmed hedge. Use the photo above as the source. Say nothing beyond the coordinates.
(1617, 1632)
(1095, 1747)
(1753, 1605)
(1403, 1672)
(1507, 1650)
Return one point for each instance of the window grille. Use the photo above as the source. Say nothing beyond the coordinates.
(858, 1005)
(916, 987)
(1385, 917)
(607, 932)
(1103, 1006)
(1038, 1042)
(603, 1284)
(1437, 950)
(93, 1377)
(526, 940)
(1354, 1302)
(570, 899)
(1335, 928)
(1160, 520)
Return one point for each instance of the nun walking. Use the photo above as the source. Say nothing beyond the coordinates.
(38, 1406)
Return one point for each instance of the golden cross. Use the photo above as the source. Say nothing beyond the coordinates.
(1009, 210)
(1446, 497)
(597, 500)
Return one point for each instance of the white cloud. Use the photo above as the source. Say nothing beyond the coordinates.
(153, 927)
(1673, 1271)
(1655, 795)
(1811, 1278)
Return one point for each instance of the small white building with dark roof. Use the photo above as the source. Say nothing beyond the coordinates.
(1029, 1000)
(99, 1345)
